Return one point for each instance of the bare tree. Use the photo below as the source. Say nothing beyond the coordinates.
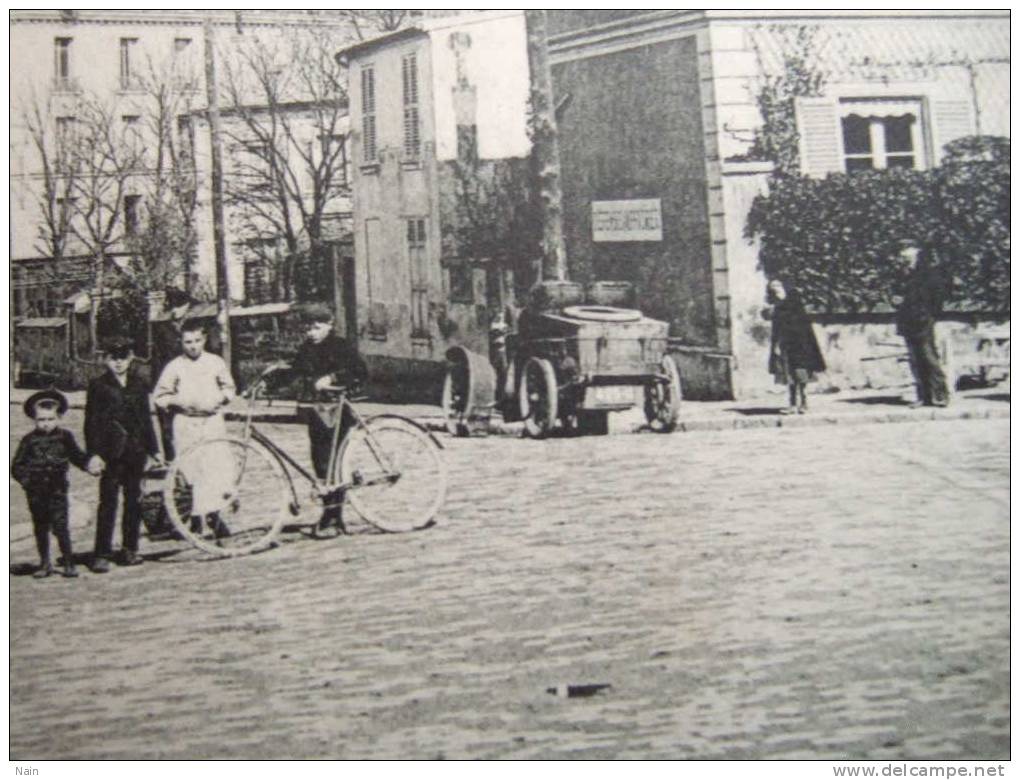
(286, 125)
(367, 23)
(53, 139)
(109, 157)
(165, 239)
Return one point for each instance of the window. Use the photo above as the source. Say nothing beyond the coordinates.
(127, 75)
(368, 136)
(256, 166)
(417, 256)
(462, 283)
(264, 280)
(881, 134)
(132, 129)
(131, 214)
(62, 62)
(181, 45)
(65, 130)
(412, 135)
(186, 132)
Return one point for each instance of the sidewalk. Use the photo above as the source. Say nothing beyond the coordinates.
(846, 408)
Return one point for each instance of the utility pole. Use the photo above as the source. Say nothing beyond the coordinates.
(219, 237)
(546, 148)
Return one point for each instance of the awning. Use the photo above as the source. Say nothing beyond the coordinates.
(260, 309)
(205, 310)
(81, 302)
(879, 108)
(41, 322)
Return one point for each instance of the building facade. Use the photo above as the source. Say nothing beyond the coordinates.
(663, 109)
(428, 105)
(131, 66)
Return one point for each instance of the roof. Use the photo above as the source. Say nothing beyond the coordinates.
(404, 34)
(41, 322)
(422, 27)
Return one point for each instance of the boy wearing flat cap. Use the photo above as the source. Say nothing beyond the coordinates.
(324, 359)
(119, 429)
(40, 467)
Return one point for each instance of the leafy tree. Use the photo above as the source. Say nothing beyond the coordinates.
(836, 238)
(972, 190)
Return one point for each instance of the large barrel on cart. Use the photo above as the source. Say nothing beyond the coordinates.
(567, 365)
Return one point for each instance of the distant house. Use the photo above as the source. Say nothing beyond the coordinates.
(145, 70)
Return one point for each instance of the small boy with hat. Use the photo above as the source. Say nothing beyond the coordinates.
(40, 467)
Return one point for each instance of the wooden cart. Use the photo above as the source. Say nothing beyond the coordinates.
(567, 367)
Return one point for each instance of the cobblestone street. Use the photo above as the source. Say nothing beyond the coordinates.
(831, 592)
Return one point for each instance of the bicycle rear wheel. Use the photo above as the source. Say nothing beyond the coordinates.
(396, 474)
(226, 497)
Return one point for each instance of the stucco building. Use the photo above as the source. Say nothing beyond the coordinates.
(424, 99)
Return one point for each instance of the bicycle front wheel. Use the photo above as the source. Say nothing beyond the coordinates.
(226, 497)
(395, 474)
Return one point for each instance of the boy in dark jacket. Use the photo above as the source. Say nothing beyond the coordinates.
(324, 359)
(40, 467)
(119, 429)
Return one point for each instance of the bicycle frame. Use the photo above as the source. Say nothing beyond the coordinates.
(328, 486)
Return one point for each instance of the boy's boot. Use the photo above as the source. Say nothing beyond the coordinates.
(45, 569)
(64, 540)
(42, 544)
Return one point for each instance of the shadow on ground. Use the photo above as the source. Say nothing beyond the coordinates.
(875, 400)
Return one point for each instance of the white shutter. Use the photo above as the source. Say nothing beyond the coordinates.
(818, 128)
(950, 119)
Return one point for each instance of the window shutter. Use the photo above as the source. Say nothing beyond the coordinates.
(818, 128)
(951, 119)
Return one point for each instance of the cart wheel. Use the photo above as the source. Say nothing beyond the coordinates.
(662, 398)
(457, 399)
(538, 397)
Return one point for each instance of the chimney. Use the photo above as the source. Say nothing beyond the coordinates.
(465, 102)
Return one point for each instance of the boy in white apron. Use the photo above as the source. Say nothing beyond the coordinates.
(196, 386)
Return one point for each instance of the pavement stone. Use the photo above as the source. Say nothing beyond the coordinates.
(851, 407)
(806, 592)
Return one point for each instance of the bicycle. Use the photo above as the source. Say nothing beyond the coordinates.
(231, 496)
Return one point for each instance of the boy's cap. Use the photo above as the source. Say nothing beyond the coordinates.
(118, 346)
(46, 395)
(315, 312)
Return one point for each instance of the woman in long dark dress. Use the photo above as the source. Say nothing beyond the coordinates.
(794, 357)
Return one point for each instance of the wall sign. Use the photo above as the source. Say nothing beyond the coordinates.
(626, 220)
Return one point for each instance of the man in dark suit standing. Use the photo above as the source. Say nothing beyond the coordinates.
(916, 315)
(119, 429)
